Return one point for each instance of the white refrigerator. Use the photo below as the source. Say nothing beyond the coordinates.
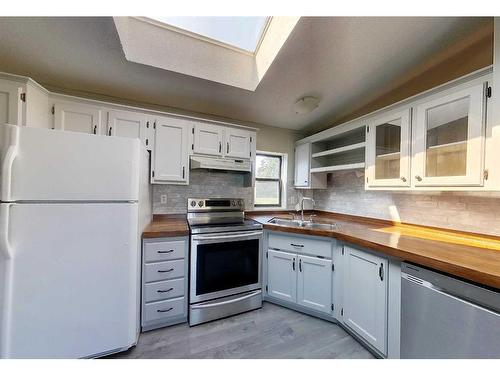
(72, 210)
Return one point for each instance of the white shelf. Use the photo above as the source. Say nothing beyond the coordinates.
(451, 146)
(339, 150)
(340, 167)
(389, 156)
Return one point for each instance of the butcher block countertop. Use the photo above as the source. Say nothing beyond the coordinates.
(471, 256)
(167, 226)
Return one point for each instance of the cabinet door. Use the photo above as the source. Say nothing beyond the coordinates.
(388, 150)
(314, 289)
(127, 124)
(207, 139)
(77, 117)
(10, 102)
(302, 164)
(170, 157)
(448, 139)
(282, 275)
(238, 143)
(365, 296)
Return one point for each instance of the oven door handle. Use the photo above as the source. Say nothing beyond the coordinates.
(226, 237)
(202, 306)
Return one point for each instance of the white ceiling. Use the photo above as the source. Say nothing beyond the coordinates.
(344, 61)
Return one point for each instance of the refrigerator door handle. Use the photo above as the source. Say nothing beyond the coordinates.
(8, 161)
(5, 248)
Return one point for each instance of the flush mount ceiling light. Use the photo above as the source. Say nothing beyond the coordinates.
(306, 104)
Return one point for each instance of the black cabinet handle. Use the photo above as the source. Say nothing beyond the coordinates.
(165, 291)
(227, 152)
(95, 129)
(381, 272)
(293, 264)
(163, 311)
(295, 245)
(165, 251)
(109, 131)
(163, 271)
(300, 265)
(220, 147)
(183, 172)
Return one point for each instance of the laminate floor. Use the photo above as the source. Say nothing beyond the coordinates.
(270, 332)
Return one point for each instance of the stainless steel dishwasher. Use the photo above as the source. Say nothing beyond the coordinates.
(444, 317)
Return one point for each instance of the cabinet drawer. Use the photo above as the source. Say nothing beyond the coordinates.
(164, 250)
(164, 309)
(164, 270)
(164, 290)
(302, 245)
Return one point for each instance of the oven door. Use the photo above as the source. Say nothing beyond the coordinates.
(224, 264)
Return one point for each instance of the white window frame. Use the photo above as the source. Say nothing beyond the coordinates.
(284, 175)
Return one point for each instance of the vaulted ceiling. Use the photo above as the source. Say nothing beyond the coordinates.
(345, 61)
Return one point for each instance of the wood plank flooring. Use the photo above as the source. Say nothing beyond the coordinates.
(270, 332)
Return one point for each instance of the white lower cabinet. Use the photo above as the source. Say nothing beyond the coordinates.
(365, 296)
(314, 283)
(282, 275)
(304, 280)
(164, 282)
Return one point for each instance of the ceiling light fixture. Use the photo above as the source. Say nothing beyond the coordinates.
(306, 104)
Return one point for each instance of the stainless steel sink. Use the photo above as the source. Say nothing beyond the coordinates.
(303, 224)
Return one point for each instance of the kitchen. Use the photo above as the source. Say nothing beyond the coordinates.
(156, 207)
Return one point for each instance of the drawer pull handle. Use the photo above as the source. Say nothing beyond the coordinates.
(165, 291)
(295, 245)
(164, 251)
(163, 271)
(164, 311)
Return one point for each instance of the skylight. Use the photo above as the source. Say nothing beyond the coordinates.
(241, 32)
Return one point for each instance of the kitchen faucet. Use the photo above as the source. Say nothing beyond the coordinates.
(302, 206)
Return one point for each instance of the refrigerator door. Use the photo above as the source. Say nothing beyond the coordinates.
(53, 165)
(69, 279)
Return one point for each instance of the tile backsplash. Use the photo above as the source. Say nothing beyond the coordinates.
(211, 184)
(469, 211)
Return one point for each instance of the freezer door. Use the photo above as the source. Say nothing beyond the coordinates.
(69, 279)
(53, 165)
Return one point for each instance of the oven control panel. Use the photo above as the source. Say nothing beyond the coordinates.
(215, 204)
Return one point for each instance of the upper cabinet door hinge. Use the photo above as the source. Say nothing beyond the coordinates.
(23, 96)
(488, 92)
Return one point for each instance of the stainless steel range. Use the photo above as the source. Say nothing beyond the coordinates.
(225, 260)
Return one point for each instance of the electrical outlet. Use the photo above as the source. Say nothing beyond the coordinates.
(163, 199)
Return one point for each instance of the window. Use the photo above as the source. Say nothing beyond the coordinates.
(269, 179)
(241, 32)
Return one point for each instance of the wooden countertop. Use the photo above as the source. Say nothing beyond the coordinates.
(167, 226)
(471, 256)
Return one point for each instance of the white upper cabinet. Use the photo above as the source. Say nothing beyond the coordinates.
(314, 283)
(448, 139)
(282, 275)
(388, 150)
(77, 117)
(11, 108)
(127, 124)
(238, 143)
(302, 164)
(365, 296)
(170, 156)
(208, 139)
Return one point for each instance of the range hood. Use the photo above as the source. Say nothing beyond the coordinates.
(208, 162)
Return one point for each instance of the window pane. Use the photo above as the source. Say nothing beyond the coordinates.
(387, 153)
(268, 166)
(267, 193)
(447, 139)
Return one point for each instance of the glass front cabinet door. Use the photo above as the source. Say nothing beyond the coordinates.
(448, 139)
(388, 150)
